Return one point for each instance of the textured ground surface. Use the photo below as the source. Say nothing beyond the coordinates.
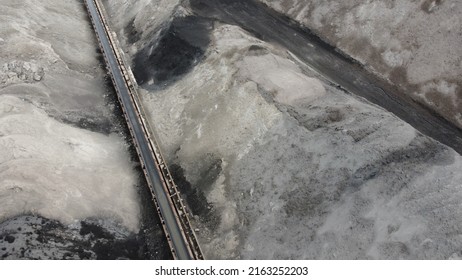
(414, 44)
(63, 155)
(32, 237)
(275, 161)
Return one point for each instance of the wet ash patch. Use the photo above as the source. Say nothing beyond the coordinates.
(131, 33)
(429, 6)
(181, 46)
(95, 124)
(210, 174)
(34, 237)
(195, 198)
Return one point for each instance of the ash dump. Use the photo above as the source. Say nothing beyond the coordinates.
(276, 162)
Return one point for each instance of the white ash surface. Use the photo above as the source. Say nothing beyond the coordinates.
(61, 156)
(413, 44)
(291, 167)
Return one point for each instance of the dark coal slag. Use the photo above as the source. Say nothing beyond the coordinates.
(181, 46)
(35, 237)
